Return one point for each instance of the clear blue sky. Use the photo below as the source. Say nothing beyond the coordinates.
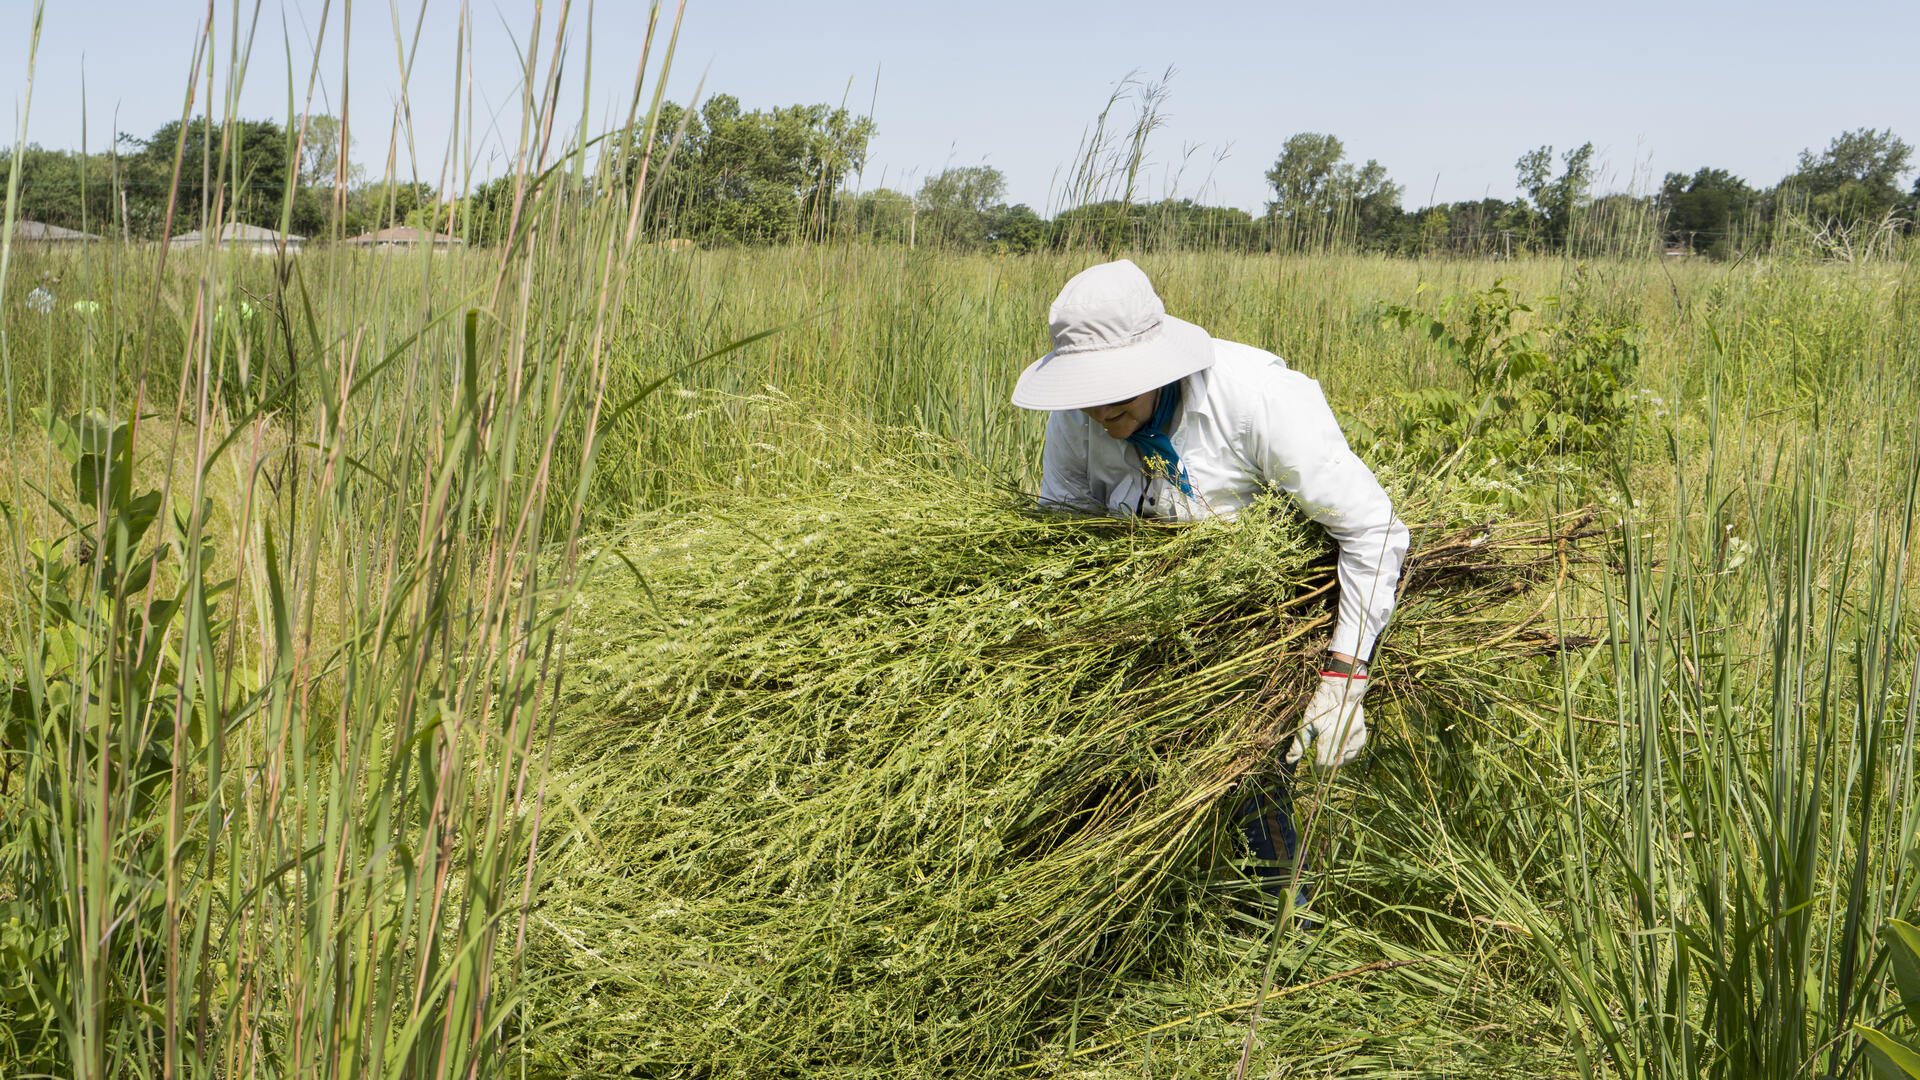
(1446, 100)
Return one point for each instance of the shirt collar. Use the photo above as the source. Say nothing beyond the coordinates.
(1193, 392)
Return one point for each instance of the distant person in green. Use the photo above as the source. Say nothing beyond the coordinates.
(1151, 417)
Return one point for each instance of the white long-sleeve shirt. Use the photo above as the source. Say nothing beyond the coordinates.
(1245, 424)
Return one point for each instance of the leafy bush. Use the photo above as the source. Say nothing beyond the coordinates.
(1531, 391)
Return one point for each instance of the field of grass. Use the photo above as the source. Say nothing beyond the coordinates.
(455, 726)
(580, 658)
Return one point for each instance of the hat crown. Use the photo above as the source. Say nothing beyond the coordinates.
(1105, 307)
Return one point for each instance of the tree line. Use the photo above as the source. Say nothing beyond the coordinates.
(259, 172)
(723, 174)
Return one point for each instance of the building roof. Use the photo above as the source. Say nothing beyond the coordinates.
(403, 234)
(240, 233)
(36, 230)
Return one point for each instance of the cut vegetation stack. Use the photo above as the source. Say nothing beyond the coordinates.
(899, 776)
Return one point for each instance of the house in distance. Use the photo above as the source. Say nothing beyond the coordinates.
(405, 237)
(44, 235)
(252, 239)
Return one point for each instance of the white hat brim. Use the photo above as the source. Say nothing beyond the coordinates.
(1082, 380)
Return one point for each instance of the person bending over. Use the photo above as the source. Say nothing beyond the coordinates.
(1153, 418)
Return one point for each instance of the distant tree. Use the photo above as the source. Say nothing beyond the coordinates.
(320, 152)
(1619, 224)
(883, 216)
(239, 170)
(1475, 227)
(1185, 225)
(955, 205)
(1016, 230)
(1556, 201)
(1376, 202)
(483, 215)
(313, 209)
(760, 176)
(1319, 196)
(1703, 210)
(1170, 224)
(1304, 176)
(1434, 223)
(968, 187)
(58, 187)
(1856, 177)
(388, 205)
(1097, 224)
(433, 216)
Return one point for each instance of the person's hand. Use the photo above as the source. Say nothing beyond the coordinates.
(1334, 722)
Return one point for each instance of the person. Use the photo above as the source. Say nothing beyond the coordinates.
(41, 298)
(1152, 417)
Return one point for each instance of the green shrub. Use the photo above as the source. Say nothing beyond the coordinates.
(1531, 391)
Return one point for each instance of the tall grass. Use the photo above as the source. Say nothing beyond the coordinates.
(1727, 851)
(292, 557)
(290, 552)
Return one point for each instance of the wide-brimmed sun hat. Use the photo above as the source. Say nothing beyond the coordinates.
(1112, 340)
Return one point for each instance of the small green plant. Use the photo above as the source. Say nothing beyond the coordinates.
(97, 711)
(1531, 391)
(102, 619)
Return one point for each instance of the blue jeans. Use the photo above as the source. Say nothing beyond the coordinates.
(1267, 819)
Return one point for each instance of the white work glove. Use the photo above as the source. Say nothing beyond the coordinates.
(1334, 722)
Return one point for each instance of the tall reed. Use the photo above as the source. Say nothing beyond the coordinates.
(291, 549)
(1735, 833)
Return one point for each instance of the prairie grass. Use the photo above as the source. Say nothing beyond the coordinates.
(1463, 844)
(523, 677)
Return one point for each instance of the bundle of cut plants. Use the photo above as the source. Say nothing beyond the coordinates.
(899, 775)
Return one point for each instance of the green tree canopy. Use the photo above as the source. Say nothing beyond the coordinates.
(1167, 225)
(73, 191)
(759, 176)
(1478, 227)
(239, 170)
(320, 152)
(1319, 195)
(1557, 200)
(1017, 230)
(882, 215)
(1304, 176)
(1856, 177)
(956, 205)
(1704, 209)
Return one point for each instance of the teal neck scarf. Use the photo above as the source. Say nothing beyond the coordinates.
(1155, 447)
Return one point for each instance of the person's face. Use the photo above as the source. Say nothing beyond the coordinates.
(1123, 418)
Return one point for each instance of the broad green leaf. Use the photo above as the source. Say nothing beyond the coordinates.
(1903, 939)
(1890, 1058)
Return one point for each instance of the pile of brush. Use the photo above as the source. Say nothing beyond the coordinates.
(898, 776)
